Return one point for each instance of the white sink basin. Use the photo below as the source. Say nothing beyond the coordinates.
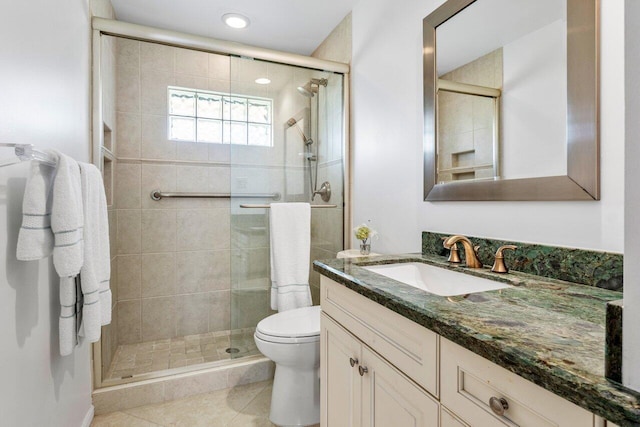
(435, 280)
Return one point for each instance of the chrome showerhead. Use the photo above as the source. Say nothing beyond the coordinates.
(311, 87)
(307, 90)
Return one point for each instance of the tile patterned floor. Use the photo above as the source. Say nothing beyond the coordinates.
(240, 406)
(141, 358)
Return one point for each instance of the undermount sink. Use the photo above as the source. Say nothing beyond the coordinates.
(435, 280)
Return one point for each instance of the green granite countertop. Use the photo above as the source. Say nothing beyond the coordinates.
(548, 331)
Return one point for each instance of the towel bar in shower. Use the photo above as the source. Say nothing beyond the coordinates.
(268, 206)
(159, 195)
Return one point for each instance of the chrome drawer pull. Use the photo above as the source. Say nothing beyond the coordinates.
(498, 405)
(353, 361)
(363, 370)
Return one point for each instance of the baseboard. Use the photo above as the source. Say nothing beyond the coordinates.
(88, 418)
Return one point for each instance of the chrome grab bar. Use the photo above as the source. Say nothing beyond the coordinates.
(159, 195)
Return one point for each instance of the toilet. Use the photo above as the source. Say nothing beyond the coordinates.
(291, 339)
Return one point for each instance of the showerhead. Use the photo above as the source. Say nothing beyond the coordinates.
(307, 90)
(292, 122)
(311, 87)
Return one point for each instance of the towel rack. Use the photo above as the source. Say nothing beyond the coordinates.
(268, 206)
(25, 153)
(159, 195)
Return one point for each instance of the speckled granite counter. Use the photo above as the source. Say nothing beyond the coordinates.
(548, 331)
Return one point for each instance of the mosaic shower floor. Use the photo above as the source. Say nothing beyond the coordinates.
(151, 356)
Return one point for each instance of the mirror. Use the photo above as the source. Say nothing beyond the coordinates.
(510, 100)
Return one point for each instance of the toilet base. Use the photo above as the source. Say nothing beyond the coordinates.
(295, 400)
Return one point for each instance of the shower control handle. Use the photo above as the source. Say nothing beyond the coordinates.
(353, 362)
(363, 370)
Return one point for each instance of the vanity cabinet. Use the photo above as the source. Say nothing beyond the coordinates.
(379, 368)
(360, 388)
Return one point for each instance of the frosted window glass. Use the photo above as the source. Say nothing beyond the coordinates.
(259, 135)
(239, 133)
(239, 109)
(259, 111)
(182, 128)
(209, 106)
(182, 103)
(209, 131)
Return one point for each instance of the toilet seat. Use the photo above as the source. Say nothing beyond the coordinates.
(301, 325)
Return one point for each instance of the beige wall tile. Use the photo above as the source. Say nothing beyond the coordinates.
(128, 232)
(158, 275)
(112, 214)
(191, 82)
(128, 132)
(192, 314)
(156, 57)
(158, 177)
(219, 67)
(192, 62)
(158, 318)
(129, 276)
(153, 92)
(127, 90)
(127, 186)
(113, 281)
(128, 53)
(129, 322)
(219, 311)
(203, 229)
(196, 151)
(158, 230)
(201, 271)
(154, 143)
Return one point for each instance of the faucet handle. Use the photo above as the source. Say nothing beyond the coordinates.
(454, 253)
(499, 266)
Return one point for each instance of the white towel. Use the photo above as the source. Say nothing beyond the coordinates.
(67, 322)
(67, 218)
(67, 222)
(96, 270)
(35, 239)
(290, 231)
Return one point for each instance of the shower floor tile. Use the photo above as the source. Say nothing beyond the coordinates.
(146, 357)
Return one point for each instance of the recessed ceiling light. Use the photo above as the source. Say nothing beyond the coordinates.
(263, 81)
(235, 20)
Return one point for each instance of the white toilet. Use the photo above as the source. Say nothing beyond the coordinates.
(292, 340)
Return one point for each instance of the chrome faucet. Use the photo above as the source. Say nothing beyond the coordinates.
(470, 252)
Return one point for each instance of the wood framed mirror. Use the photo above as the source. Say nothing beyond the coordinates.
(504, 168)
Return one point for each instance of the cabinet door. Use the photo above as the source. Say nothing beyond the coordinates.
(340, 385)
(391, 399)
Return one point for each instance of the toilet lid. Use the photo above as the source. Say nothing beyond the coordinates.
(297, 323)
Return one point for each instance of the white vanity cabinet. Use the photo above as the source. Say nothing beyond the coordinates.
(360, 388)
(381, 369)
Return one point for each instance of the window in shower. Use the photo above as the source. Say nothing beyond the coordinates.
(219, 118)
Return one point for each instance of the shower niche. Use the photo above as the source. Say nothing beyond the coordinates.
(190, 275)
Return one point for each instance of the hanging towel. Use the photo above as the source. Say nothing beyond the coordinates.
(96, 270)
(35, 239)
(67, 222)
(290, 234)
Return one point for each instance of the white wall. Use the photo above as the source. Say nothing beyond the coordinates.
(44, 82)
(534, 104)
(631, 318)
(387, 128)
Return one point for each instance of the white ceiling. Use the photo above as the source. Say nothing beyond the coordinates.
(297, 26)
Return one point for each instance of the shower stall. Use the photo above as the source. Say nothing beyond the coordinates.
(195, 144)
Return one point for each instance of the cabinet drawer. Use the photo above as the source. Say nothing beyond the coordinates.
(469, 381)
(410, 347)
(447, 419)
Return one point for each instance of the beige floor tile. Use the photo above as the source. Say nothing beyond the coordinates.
(256, 413)
(120, 419)
(211, 409)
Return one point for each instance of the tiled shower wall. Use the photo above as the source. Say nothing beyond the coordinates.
(173, 255)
